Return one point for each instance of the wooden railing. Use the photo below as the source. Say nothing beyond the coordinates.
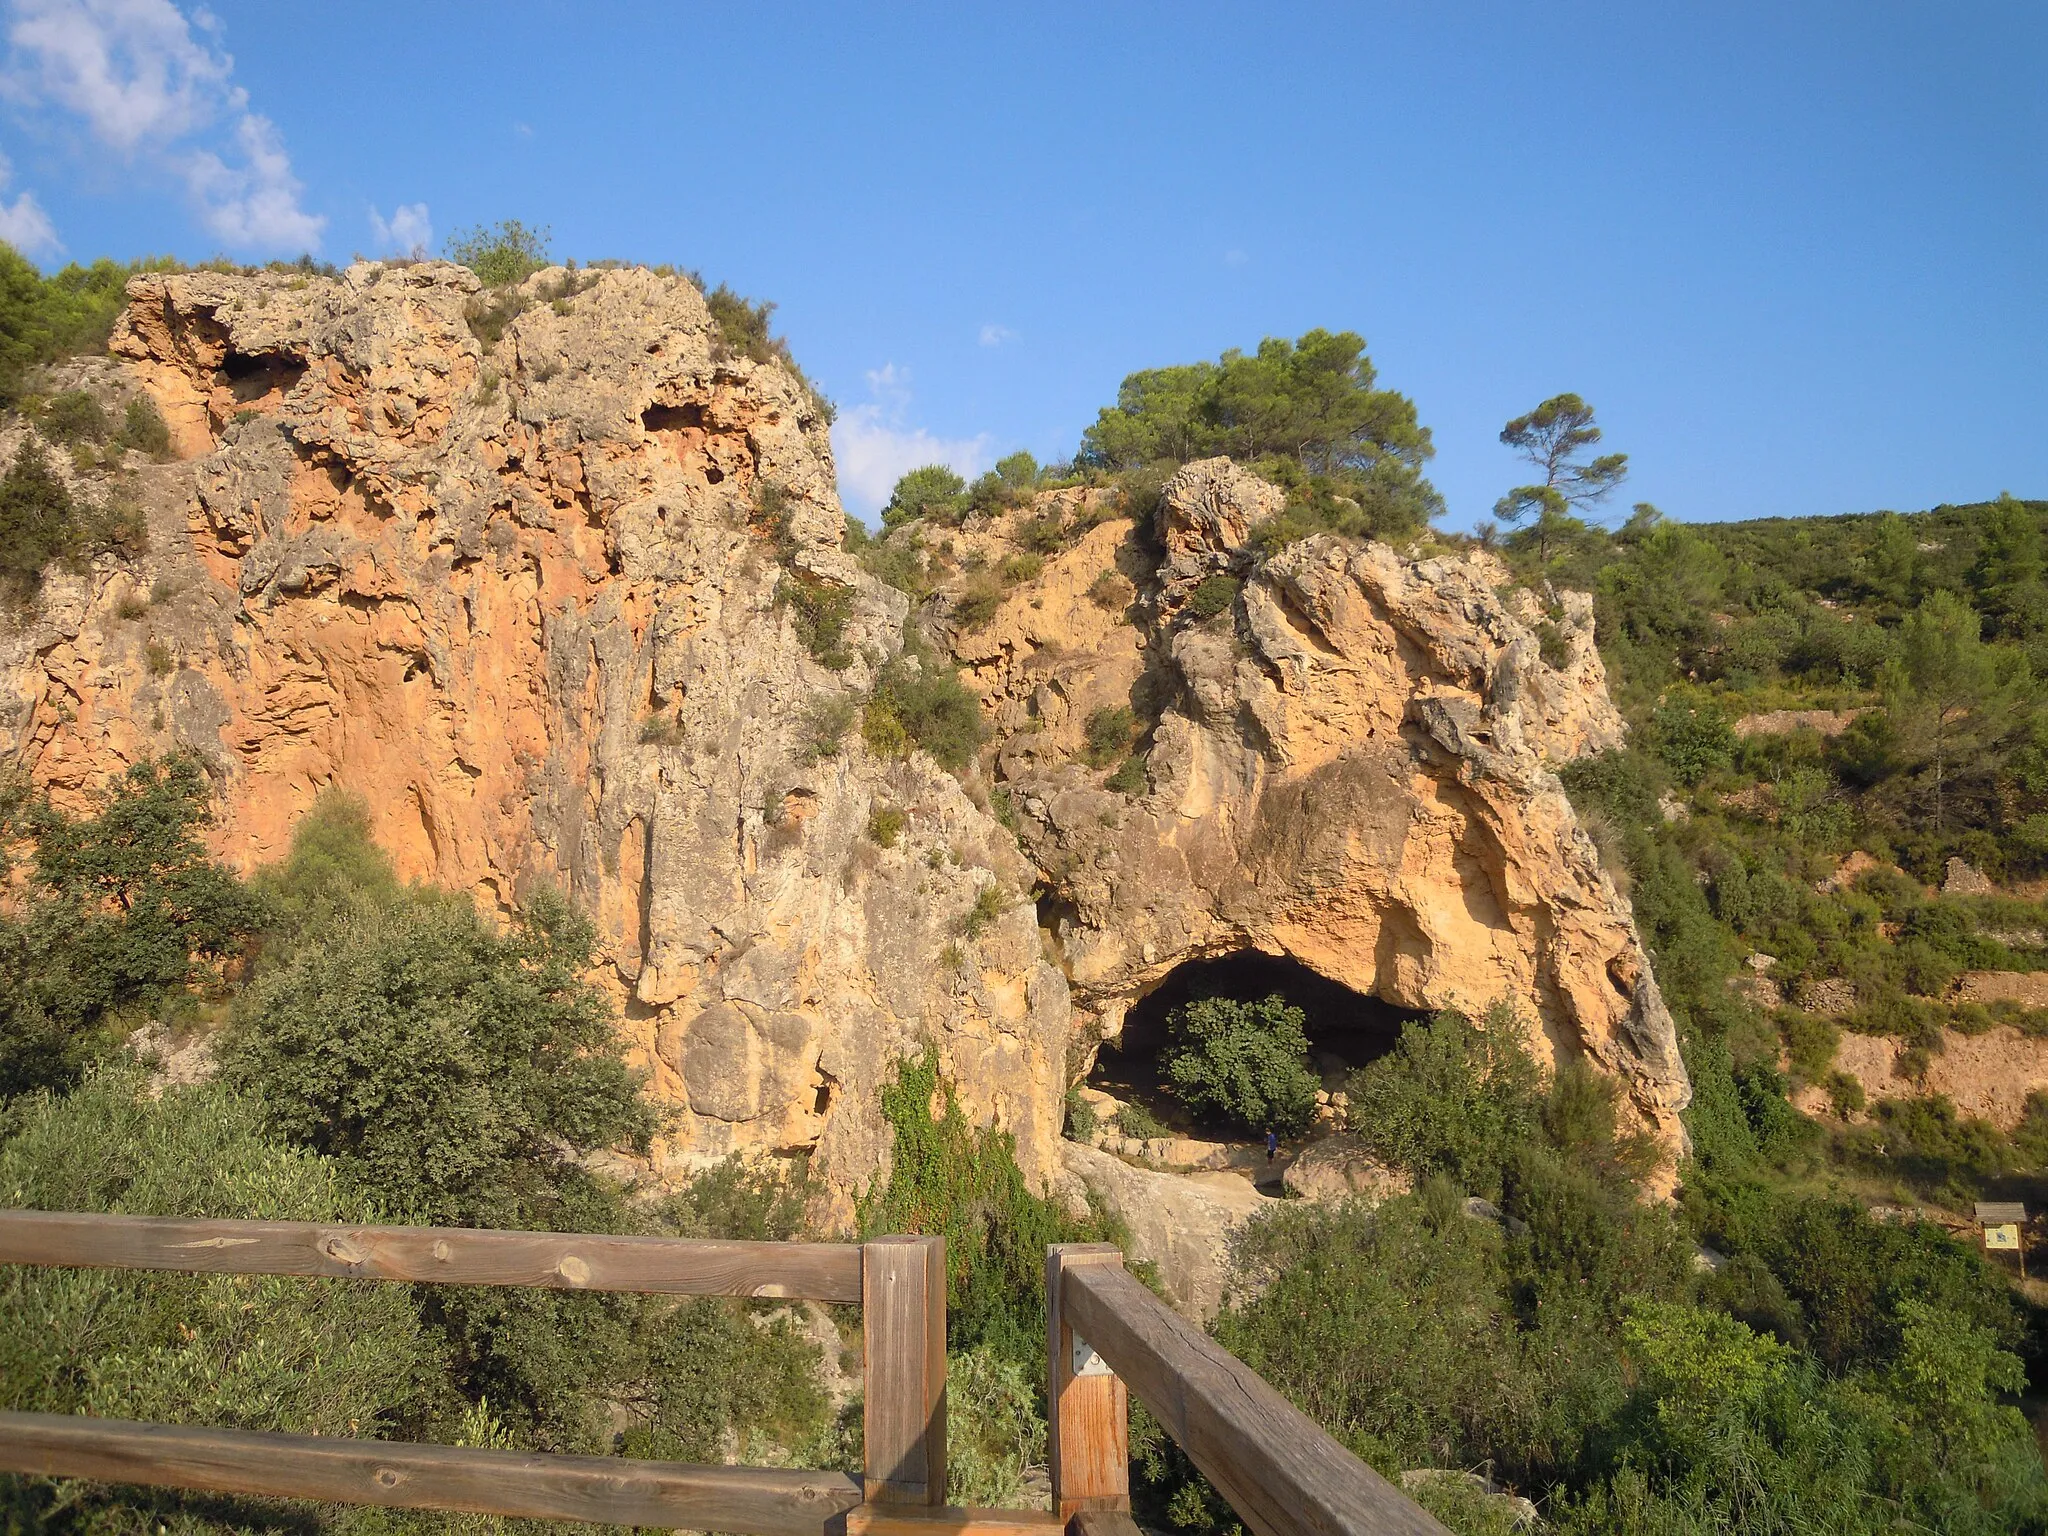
(1108, 1336)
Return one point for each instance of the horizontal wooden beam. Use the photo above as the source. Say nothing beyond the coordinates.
(603, 1490)
(447, 1255)
(1103, 1522)
(948, 1520)
(1279, 1469)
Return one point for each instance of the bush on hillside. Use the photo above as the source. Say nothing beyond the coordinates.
(1454, 1097)
(919, 701)
(1242, 1063)
(454, 1069)
(500, 254)
(932, 491)
(962, 1182)
(119, 910)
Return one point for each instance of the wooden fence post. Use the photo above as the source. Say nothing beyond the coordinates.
(903, 1329)
(1089, 1431)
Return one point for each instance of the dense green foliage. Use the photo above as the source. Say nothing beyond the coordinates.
(1242, 1063)
(1309, 414)
(920, 701)
(961, 1182)
(1832, 1374)
(62, 315)
(111, 912)
(41, 521)
(393, 1058)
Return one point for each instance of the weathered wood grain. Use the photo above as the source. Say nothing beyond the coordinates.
(1088, 1418)
(449, 1255)
(1102, 1522)
(1280, 1471)
(603, 1490)
(918, 1520)
(903, 1324)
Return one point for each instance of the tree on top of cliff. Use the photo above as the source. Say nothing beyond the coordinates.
(1308, 413)
(1555, 438)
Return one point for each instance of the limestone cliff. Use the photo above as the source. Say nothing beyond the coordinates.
(1350, 763)
(516, 570)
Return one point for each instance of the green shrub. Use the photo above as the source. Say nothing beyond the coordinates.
(454, 1069)
(329, 1357)
(1080, 1119)
(488, 318)
(978, 601)
(1692, 736)
(932, 491)
(1018, 568)
(1044, 534)
(1136, 1121)
(1552, 645)
(826, 720)
(1129, 778)
(821, 610)
(73, 417)
(995, 1429)
(1213, 595)
(962, 1182)
(1243, 1063)
(661, 730)
(38, 522)
(1108, 735)
(885, 825)
(500, 254)
(143, 428)
(919, 700)
(118, 910)
(990, 903)
(159, 660)
(1453, 1097)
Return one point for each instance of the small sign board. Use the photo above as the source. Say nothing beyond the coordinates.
(2005, 1235)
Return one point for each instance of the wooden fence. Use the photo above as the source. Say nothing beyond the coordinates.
(1108, 1336)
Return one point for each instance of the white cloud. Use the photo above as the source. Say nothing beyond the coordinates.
(23, 224)
(143, 85)
(254, 204)
(410, 232)
(875, 448)
(1234, 257)
(995, 335)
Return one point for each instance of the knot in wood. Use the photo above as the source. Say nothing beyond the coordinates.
(573, 1270)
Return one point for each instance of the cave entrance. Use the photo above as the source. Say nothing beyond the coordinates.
(1345, 1029)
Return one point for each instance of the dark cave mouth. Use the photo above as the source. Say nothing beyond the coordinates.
(1346, 1029)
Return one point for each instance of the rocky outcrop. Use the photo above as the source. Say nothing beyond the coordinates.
(522, 594)
(524, 569)
(1338, 1168)
(1182, 1222)
(1349, 763)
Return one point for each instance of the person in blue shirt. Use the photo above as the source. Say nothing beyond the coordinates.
(1272, 1148)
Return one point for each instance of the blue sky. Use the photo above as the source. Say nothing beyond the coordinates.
(1797, 256)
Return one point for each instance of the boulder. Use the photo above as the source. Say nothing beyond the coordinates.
(1181, 1222)
(1339, 1168)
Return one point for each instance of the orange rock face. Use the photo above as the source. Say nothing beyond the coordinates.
(517, 568)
